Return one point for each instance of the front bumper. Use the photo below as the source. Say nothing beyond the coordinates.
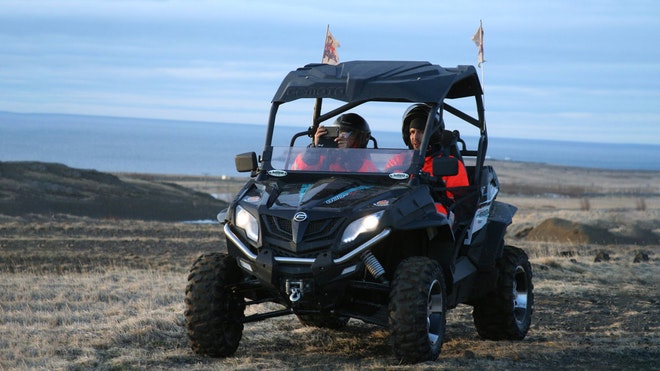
(306, 261)
(322, 270)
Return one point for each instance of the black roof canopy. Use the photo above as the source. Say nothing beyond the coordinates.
(356, 81)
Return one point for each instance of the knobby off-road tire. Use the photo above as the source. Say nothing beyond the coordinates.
(417, 310)
(323, 321)
(214, 314)
(506, 313)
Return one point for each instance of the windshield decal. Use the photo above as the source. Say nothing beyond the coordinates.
(344, 194)
(399, 176)
(277, 173)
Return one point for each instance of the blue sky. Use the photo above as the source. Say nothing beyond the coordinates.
(569, 70)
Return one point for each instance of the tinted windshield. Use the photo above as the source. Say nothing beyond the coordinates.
(362, 160)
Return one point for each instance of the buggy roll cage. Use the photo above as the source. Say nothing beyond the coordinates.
(357, 82)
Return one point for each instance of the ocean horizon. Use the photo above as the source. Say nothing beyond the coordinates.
(135, 145)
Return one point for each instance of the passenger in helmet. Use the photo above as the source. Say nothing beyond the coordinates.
(412, 129)
(352, 132)
(416, 115)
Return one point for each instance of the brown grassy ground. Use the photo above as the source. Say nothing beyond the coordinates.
(80, 293)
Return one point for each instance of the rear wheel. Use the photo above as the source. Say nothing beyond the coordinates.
(417, 310)
(506, 313)
(214, 312)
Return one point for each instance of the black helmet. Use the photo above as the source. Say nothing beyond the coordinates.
(356, 125)
(419, 113)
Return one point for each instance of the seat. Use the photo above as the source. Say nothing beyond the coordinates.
(372, 139)
(449, 142)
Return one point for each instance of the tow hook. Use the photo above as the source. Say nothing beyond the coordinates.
(295, 289)
(295, 295)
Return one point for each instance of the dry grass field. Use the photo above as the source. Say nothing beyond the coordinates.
(86, 293)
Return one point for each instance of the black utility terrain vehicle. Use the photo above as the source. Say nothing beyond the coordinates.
(334, 243)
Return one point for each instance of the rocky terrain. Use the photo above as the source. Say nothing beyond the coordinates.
(48, 188)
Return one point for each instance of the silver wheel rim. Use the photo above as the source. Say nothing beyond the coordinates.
(435, 313)
(520, 292)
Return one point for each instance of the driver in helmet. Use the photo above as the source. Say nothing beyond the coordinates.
(414, 124)
(354, 132)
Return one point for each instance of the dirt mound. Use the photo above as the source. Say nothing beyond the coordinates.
(49, 188)
(565, 231)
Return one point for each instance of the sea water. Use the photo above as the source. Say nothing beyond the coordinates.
(198, 148)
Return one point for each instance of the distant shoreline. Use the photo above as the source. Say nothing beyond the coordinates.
(115, 144)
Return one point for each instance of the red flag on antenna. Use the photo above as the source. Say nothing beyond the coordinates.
(330, 50)
(478, 39)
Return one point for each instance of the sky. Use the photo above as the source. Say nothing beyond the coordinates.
(559, 69)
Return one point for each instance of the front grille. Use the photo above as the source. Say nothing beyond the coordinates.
(278, 227)
(314, 236)
(281, 226)
(315, 230)
(321, 229)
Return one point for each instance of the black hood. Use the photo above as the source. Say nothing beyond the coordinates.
(330, 194)
(303, 217)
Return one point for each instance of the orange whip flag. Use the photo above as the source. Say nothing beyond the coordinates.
(478, 39)
(330, 50)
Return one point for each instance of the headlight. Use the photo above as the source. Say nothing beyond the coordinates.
(248, 223)
(365, 224)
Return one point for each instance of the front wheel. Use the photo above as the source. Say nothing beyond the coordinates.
(506, 313)
(417, 310)
(214, 312)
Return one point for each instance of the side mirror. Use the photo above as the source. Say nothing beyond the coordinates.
(246, 162)
(444, 166)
